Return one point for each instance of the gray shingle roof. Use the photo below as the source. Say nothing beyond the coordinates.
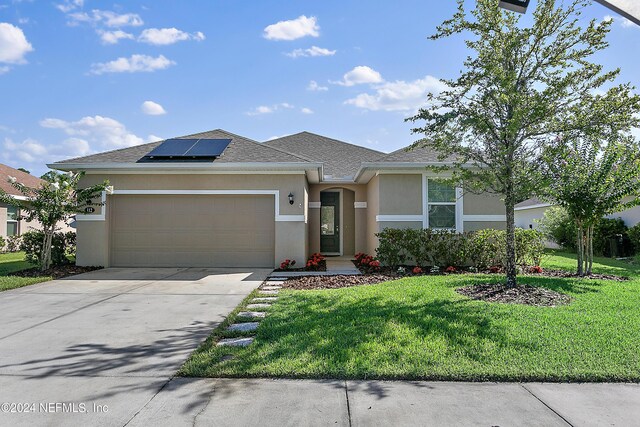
(530, 202)
(416, 155)
(240, 150)
(340, 159)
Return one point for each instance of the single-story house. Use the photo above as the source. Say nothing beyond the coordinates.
(10, 222)
(216, 199)
(529, 213)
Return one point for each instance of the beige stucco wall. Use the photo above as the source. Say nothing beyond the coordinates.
(290, 236)
(529, 217)
(3, 220)
(486, 203)
(479, 225)
(400, 194)
(373, 209)
(348, 222)
(24, 225)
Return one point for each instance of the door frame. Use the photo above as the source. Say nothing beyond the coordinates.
(341, 216)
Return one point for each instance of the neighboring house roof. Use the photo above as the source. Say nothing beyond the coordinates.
(22, 177)
(531, 203)
(240, 150)
(340, 159)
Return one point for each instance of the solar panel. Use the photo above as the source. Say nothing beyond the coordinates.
(187, 149)
(208, 147)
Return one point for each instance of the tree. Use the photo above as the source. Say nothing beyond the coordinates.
(53, 202)
(521, 87)
(591, 178)
(24, 170)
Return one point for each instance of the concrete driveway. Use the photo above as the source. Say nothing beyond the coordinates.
(106, 342)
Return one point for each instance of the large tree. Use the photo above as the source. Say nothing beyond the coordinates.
(521, 86)
(590, 178)
(53, 203)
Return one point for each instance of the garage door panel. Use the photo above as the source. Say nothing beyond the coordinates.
(192, 230)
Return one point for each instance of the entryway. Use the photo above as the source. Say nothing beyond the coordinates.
(337, 222)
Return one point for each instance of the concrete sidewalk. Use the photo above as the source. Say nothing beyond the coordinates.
(246, 402)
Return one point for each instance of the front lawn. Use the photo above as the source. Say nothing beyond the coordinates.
(12, 262)
(420, 328)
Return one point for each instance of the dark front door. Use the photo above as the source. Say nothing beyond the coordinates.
(330, 222)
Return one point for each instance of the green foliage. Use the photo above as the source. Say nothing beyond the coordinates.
(13, 243)
(480, 249)
(54, 202)
(2, 243)
(62, 245)
(559, 227)
(520, 87)
(634, 237)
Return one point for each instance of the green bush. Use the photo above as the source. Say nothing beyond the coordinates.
(62, 245)
(634, 238)
(13, 243)
(559, 227)
(607, 229)
(480, 249)
(2, 243)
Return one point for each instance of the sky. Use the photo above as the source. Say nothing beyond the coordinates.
(85, 76)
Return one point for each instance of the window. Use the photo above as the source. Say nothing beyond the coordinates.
(441, 205)
(12, 220)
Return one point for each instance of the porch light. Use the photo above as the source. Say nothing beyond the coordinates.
(515, 5)
(290, 196)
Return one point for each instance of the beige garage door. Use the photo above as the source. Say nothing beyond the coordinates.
(192, 231)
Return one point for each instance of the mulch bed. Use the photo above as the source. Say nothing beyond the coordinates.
(335, 282)
(521, 294)
(568, 275)
(57, 271)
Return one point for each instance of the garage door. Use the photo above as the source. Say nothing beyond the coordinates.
(192, 231)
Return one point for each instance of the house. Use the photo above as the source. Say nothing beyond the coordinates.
(10, 222)
(529, 212)
(216, 199)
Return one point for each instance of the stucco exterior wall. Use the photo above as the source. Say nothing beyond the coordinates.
(480, 225)
(3, 220)
(400, 194)
(290, 235)
(528, 218)
(373, 209)
(486, 203)
(348, 222)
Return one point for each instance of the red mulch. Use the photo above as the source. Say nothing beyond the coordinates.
(521, 294)
(335, 282)
(57, 271)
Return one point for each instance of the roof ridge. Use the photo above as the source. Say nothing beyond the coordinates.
(325, 137)
(112, 151)
(263, 145)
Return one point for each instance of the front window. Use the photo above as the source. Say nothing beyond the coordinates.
(441, 205)
(12, 220)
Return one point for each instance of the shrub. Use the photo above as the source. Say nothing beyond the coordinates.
(634, 237)
(559, 227)
(480, 249)
(13, 243)
(607, 229)
(316, 262)
(287, 264)
(62, 245)
(2, 243)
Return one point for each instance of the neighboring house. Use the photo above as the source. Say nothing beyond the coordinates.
(10, 224)
(216, 199)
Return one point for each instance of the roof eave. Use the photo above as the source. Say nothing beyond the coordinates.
(368, 166)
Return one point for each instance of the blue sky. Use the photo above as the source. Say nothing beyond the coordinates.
(76, 76)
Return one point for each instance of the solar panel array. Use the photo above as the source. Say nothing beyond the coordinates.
(188, 149)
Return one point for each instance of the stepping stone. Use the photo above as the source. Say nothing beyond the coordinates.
(271, 288)
(264, 299)
(243, 327)
(253, 314)
(236, 342)
(259, 305)
(275, 282)
(274, 292)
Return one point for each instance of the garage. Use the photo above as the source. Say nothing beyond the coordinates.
(192, 230)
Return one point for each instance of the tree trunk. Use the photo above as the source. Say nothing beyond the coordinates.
(45, 256)
(510, 267)
(590, 249)
(579, 248)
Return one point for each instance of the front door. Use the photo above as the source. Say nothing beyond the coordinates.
(330, 222)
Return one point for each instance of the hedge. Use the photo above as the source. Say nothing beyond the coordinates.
(480, 249)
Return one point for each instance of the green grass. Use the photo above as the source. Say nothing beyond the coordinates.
(420, 328)
(12, 262)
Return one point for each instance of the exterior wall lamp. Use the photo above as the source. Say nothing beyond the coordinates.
(290, 196)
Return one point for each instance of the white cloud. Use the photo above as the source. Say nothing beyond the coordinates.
(398, 95)
(101, 133)
(607, 18)
(626, 23)
(312, 51)
(70, 5)
(315, 87)
(360, 75)
(113, 37)
(152, 108)
(13, 45)
(133, 64)
(165, 36)
(292, 29)
(106, 18)
(268, 109)
(4, 69)
(306, 110)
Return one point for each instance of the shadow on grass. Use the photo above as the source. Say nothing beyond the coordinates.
(564, 260)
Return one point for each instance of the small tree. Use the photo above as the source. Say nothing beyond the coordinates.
(521, 87)
(591, 178)
(55, 201)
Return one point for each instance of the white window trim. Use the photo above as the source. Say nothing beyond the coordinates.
(17, 222)
(458, 203)
(276, 193)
